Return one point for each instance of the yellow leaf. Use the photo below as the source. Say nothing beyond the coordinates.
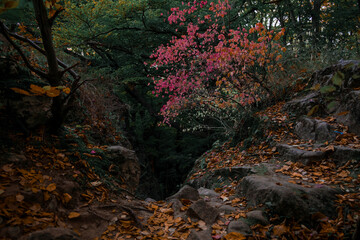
(47, 4)
(234, 236)
(51, 13)
(47, 88)
(51, 187)
(73, 215)
(36, 89)
(313, 110)
(53, 92)
(66, 90)
(19, 198)
(21, 91)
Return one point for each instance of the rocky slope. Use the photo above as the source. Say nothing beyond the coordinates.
(301, 182)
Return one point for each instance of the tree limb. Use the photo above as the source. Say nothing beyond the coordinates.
(38, 48)
(18, 49)
(69, 68)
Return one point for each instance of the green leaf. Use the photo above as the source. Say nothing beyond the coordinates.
(338, 78)
(332, 105)
(327, 89)
(313, 110)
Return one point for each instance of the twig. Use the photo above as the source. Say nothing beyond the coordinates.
(68, 69)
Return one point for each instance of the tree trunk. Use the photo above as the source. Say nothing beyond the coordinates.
(315, 21)
(54, 75)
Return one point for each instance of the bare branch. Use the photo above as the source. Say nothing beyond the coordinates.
(18, 49)
(69, 68)
(42, 51)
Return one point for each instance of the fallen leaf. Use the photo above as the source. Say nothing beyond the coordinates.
(202, 225)
(343, 174)
(35, 208)
(343, 113)
(46, 196)
(67, 197)
(111, 227)
(234, 236)
(19, 197)
(96, 183)
(51, 187)
(280, 230)
(73, 215)
(7, 168)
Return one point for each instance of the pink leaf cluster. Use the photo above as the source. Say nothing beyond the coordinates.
(201, 66)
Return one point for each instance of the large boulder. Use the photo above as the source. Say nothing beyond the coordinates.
(297, 153)
(33, 111)
(203, 211)
(303, 104)
(312, 129)
(200, 235)
(349, 112)
(238, 226)
(128, 164)
(257, 217)
(288, 199)
(350, 69)
(294, 154)
(186, 192)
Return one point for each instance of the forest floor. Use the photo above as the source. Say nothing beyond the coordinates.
(41, 187)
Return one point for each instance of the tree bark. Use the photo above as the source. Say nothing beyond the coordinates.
(45, 29)
(54, 75)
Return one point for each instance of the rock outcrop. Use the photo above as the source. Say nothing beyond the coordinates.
(288, 199)
(128, 164)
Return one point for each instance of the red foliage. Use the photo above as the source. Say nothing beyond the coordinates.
(203, 66)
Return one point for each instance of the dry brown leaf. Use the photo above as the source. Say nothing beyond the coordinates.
(19, 198)
(46, 196)
(51, 187)
(67, 197)
(73, 215)
(280, 230)
(343, 113)
(7, 168)
(343, 174)
(296, 175)
(234, 236)
(35, 208)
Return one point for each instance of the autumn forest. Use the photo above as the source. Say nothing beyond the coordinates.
(155, 119)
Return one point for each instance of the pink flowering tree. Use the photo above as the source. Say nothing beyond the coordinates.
(210, 68)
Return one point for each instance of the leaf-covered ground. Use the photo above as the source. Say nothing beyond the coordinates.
(45, 186)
